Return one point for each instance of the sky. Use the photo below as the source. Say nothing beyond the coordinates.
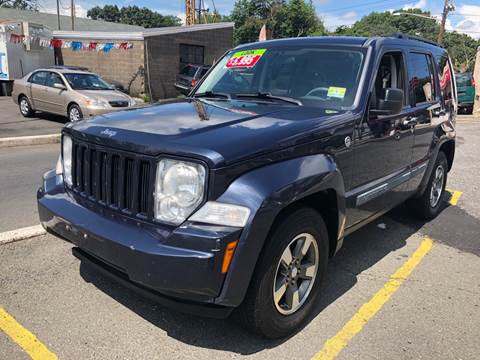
(466, 17)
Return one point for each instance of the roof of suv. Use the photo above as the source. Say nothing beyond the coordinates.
(356, 41)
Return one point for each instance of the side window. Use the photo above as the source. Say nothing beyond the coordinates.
(420, 71)
(38, 78)
(390, 74)
(446, 82)
(53, 78)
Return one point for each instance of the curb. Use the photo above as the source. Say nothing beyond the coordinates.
(21, 234)
(30, 140)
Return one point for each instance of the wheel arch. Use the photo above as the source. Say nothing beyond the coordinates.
(271, 193)
(448, 148)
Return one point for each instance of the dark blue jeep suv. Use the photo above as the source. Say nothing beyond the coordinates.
(237, 196)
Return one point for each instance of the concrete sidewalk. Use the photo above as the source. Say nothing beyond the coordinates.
(13, 124)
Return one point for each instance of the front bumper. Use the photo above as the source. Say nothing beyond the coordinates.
(179, 265)
(89, 111)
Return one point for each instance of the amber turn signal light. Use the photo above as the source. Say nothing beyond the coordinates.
(228, 256)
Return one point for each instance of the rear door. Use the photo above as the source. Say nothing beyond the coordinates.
(38, 90)
(425, 99)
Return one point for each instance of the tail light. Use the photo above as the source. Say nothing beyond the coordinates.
(473, 82)
(194, 82)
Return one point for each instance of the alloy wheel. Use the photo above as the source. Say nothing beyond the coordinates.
(295, 275)
(74, 114)
(437, 186)
(24, 107)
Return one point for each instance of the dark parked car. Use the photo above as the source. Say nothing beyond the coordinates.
(189, 76)
(466, 91)
(237, 197)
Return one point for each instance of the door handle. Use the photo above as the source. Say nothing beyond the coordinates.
(410, 122)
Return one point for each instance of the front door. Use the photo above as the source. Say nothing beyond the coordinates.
(383, 148)
(54, 98)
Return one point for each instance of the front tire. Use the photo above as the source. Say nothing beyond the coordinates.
(25, 107)
(74, 113)
(288, 276)
(428, 205)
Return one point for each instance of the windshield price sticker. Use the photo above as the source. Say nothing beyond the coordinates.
(336, 92)
(247, 58)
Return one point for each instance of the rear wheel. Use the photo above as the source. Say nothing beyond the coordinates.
(428, 205)
(288, 276)
(75, 113)
(25, 107)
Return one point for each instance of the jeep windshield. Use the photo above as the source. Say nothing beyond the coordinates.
(313, 76)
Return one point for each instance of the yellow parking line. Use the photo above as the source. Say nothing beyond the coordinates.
(454, 196)
(24, 338)
(335, 345)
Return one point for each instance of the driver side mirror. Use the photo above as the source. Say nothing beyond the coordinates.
(59, 86)
(390, 103)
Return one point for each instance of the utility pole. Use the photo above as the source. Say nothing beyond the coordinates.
(58, 14)
(72, 6)
(447, 7)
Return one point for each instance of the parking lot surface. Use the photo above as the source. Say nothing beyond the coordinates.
(13, 124)
(433, 313)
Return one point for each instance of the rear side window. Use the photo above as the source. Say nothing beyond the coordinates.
(189, 71)
(38, 78)
(445, 78)
(202, 72)
(420, 73)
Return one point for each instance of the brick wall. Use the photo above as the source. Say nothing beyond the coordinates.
(125, 66)
(164, 55)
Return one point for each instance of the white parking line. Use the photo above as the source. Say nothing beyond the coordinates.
(21, 234)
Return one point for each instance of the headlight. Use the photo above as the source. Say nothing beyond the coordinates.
(222, 214)
(179, 189)
(67, 159)
(97, 102)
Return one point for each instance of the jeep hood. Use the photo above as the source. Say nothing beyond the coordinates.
(219, 132)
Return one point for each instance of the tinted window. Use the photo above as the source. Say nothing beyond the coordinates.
(53, 78)
(421, 78)
(189, 71)
(315, 76)
(446, 83)
(464, 79)
(38, 78)
(202, 72)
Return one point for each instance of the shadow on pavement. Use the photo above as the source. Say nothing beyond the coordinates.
(360, 251)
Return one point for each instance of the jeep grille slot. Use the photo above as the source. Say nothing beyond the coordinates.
(115, 179)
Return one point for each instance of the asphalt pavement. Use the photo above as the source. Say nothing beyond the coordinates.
(13, 124)
(433, 314)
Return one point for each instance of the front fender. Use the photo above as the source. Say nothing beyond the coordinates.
(266, 191)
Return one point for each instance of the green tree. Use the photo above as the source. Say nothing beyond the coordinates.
(133, 15)
(20, 4)
(283, 18)
(462, 48)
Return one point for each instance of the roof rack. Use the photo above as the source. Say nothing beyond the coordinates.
(400, 35)
(67, 67)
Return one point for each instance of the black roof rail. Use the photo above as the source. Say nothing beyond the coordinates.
(400, 35)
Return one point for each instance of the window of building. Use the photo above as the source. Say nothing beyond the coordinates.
(191, 54)
(422, 86)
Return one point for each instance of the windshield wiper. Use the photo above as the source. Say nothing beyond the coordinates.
(211, 94)
(268, 96)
